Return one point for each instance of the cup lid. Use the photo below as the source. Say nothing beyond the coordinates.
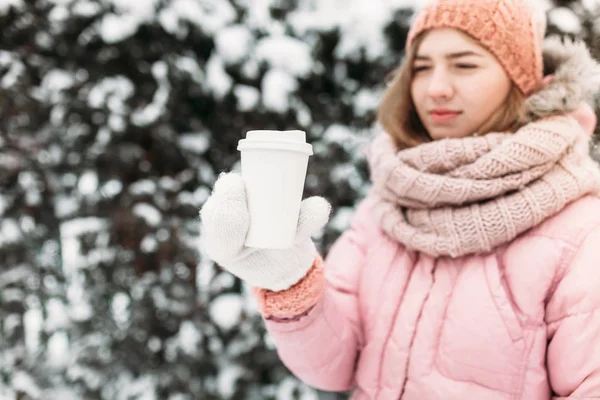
(292, 140)
(292, 135)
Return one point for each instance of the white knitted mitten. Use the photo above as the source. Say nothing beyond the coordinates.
(225, 223)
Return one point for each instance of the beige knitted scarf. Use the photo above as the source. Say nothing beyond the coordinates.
(454, 197)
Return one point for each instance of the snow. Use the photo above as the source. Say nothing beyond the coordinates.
(219, 81)
(341, 219)
(86, 375)
(58, 349)
(113, 91)
(349, 174)
(103, 136)
(197, 143)
(23, 382)
(248, 97)
(33, 322)
(68, 179)
(111, 188)
(28, 180)
(170, 184)
(16, 70)
(362, 32)
(120, 309)
(591, 5)
(258, 61)
(16, 274)
(44, 40)
(204, 274)
(259, 16)
(222, 282)
(190, 65)
(3, 204)
(116, 28)
(59, 13)
(303, 113)
(289, 386)
(129, 17)
(189, 338)
(201, 194)
(143, 388)
(162, 235)
(148, 244)
(337, 133)
(286, 53)
(154, 344)
(352, 141)
(228, 375)
(10, 232)
(144, 187)
(208, 15)
(169, 20)
(141, 8)
(117, 123)
(79, 226)
(62, 393)
(73, 260)
(233, 43)
(565, 19)
(27, 224)
(152, 111)
(148, 213)
(365, 101)
(88, 183)
(86, 8)
(277, 88)
(56, 315)
(5, 5)
(226, 310)
(359, 22)
(80, 310)
(53, 83)
(250, 69)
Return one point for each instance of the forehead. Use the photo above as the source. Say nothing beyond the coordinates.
(447, 40)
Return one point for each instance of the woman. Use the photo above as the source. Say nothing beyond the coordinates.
(472, 269)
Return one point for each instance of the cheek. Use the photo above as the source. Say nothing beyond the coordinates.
(416, 94)
(486, 102)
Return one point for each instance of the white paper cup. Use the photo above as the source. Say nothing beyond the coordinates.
(274, 165)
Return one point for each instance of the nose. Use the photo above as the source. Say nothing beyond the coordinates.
(440, 85)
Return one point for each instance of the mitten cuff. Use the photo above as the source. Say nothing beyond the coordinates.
(298, 299)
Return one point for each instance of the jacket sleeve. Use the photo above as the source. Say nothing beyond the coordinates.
(320, 340)
(573, 317)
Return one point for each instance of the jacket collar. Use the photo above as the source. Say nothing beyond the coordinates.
(576, 78)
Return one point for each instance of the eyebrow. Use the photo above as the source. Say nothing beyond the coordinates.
(450, 56)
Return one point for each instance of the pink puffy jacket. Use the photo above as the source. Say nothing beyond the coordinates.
(522, 322)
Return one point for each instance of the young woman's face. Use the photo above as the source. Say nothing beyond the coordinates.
(457, 84)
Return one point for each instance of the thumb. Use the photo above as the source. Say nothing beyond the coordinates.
(314, 214)
(225, 218)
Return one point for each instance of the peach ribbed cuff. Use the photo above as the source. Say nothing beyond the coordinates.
(295, 301)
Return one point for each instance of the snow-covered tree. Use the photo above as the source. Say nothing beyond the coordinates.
(116, 118)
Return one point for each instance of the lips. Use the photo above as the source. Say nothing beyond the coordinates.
(443, 115)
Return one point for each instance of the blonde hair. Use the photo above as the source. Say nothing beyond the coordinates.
(398, 116)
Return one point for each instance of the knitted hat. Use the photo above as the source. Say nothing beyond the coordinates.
(509, 29)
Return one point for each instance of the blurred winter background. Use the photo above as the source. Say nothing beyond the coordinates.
(116, 116)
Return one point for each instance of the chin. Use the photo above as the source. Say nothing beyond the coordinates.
(438, 134)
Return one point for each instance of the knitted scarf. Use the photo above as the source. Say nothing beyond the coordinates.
(454, 197)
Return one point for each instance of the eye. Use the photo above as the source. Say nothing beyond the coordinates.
(466, 66)
(420, 68)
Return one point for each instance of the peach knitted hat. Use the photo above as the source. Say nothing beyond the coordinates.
(509, 29)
